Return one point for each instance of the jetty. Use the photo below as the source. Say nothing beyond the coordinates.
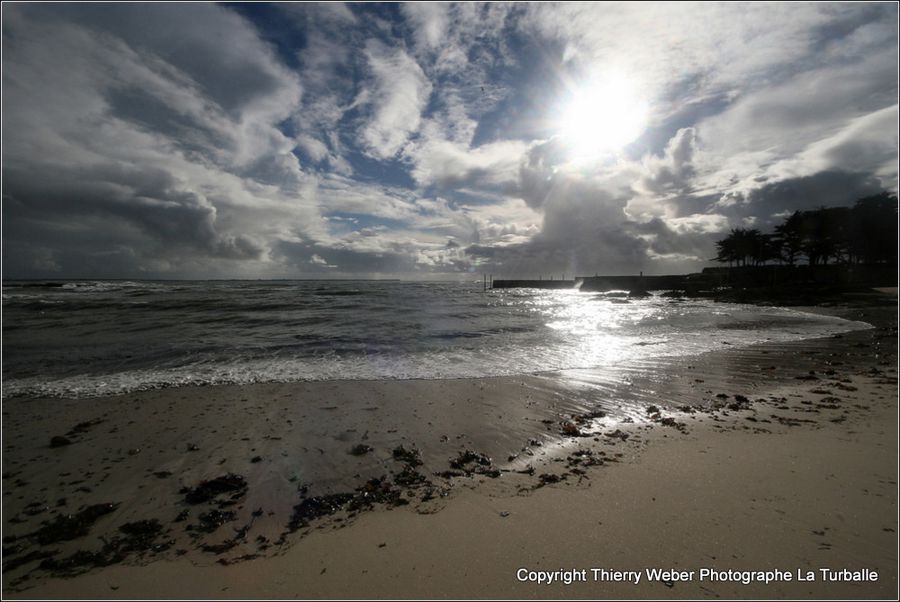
(602, 283)
(552, 284)
(783, 277)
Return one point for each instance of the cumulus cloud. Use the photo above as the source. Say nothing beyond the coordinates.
(121, 128)
(399, 91)
(674, 170)
(429, 20)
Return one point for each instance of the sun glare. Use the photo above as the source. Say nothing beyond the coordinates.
(603, 117)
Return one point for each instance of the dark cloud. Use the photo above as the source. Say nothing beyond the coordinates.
(139, 120)
(673, 172)
(537, 171)
(826, 189)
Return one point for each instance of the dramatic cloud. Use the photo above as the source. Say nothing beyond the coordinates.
(399, 91)
(430, 139)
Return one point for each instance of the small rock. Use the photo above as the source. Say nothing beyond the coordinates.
(360, 450)
(60, 441)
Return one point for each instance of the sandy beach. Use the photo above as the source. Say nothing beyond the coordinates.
(775, 457)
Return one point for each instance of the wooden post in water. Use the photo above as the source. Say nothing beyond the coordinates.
(485, 282)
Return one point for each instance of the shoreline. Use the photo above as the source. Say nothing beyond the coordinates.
(475, 486)
(139, 379)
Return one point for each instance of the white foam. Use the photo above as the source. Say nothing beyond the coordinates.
(580, 348)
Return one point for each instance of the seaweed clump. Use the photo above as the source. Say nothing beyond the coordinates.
(65, 527)
(233, 485)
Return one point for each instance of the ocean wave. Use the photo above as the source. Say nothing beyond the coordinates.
(61, 343)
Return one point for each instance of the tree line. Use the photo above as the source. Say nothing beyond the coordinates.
(865, 233)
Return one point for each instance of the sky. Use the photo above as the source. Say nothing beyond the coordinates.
(430, 140)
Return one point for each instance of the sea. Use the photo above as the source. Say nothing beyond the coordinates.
(89, 338)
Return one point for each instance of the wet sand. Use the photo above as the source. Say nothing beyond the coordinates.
(750, 462)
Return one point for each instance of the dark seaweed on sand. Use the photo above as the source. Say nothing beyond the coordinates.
(65, 527)
(374, 491)
(232, 484)
(411, 457)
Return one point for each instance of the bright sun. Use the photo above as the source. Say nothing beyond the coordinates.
(603, 117)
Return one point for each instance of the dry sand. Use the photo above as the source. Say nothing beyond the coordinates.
(803, 479)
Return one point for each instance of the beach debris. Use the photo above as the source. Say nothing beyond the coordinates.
(219, 548)
(669, 421)
(740, 403)
(409, 477)
(843, 387)
(360, 449)
(83, 427)
(548, 479)
(193, 447)
(791, 421)
(584, 457)
(212, 520)
(374, 491)
(468, 457)
(449, 474)
(255, 459)
(474, 462)
(60, 441)
(142, 534)
(139, 536)
(35, 508)
(34, 555)
(617, 434)
(571, 430)
(588, 416)
(504, 514)
(65, 527)
(230, 484)
(410, 457)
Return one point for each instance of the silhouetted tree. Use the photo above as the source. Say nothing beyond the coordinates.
(873, 229)
(788, 238)
(730, 247)
(743, 244)
(865, 233)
